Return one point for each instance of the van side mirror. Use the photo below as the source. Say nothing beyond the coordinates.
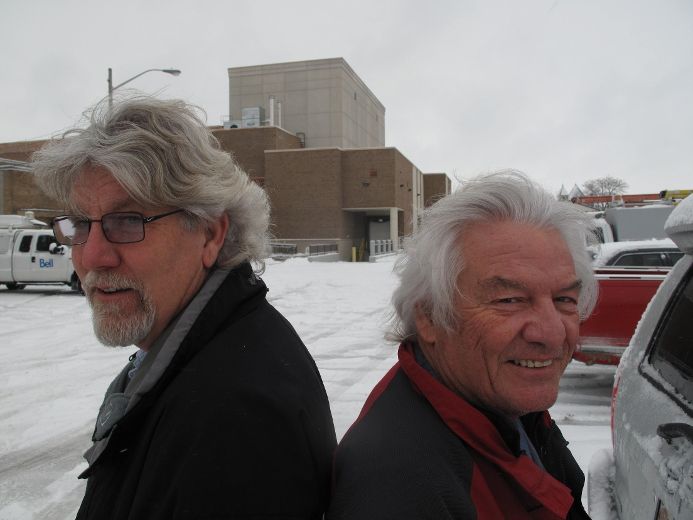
(56, 249)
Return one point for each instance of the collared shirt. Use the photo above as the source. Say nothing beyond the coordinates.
(526, 445)
(137, 358)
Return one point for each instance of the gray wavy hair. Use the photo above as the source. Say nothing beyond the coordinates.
(432, 263)
(162, 154)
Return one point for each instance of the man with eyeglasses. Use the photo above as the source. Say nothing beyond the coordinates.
(221, 413)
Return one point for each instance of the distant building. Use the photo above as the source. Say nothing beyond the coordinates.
(436, 186)
(322, 101)
(333, 195)
(575, 192)
(604, 201)
(330, 184)
(344, 187)
(18, 193)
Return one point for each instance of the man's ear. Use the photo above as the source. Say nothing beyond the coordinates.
(214, 240)
(425, 328)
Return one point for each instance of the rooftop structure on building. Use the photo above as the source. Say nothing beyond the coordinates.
(575, 191)
(324, 102)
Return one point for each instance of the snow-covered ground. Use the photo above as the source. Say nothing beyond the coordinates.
(53, 375)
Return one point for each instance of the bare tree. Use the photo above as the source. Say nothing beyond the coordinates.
(605, 186)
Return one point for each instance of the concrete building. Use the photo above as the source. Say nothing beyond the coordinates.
(352, 196)
(436, 185)
(325, 196)
(324, 102)
(341, 185)
(345, 197)
(331, 181)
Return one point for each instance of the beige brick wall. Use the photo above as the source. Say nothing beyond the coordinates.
(19, 191)
(248, 146)
(368, 178)
(22, 194)
(305, 191)
(20, 150)
(405, 189)
(308, 188)
(436, 185)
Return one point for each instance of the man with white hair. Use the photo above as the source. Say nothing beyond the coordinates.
(493, 287)
(221, 413)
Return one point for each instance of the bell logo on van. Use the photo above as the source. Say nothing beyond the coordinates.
(45, 264)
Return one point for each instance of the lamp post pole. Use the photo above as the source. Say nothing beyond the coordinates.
(111, 88)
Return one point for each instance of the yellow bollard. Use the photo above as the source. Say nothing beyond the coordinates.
(353, 254)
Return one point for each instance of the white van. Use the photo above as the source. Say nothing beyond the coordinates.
(32, 256)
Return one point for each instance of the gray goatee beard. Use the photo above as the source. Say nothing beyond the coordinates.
(116, 325)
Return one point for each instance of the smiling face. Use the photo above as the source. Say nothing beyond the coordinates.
(518, 319)
(136, 289)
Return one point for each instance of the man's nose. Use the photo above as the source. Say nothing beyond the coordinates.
(545, 325)
(97, 252)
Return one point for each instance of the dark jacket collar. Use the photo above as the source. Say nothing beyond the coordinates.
(238, 293)
(484, 437)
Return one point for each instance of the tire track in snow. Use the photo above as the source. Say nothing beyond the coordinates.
(34, 476)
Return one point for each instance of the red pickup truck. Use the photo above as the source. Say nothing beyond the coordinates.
(624, 294)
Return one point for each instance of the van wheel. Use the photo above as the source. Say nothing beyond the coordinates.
(76, 284)
(13, 286)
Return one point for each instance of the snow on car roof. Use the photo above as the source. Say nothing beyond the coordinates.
(679, 225)
(604, 252)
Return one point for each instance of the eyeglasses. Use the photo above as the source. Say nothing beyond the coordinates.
(118, 228)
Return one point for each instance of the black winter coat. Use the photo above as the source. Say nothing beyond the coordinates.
(238, 426)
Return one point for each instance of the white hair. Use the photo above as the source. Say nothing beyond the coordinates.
(431, 264)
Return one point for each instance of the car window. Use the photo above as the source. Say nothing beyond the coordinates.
(650, 259)
(25, 244)
(672, 351)
(675, 257)
(44, 242)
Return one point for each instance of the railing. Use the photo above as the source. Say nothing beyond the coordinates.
(381, 247)
(322, 249)
(284, 249)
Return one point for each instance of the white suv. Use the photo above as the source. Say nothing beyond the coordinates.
(649, 472)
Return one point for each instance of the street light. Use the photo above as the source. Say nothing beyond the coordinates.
(111, 88)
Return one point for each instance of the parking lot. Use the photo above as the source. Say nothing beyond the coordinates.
(54, 373)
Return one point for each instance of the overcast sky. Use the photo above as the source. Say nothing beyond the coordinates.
(565, 90)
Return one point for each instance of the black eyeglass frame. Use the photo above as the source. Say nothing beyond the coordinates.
(89, 221)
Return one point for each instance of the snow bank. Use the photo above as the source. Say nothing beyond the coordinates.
(601, 486)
